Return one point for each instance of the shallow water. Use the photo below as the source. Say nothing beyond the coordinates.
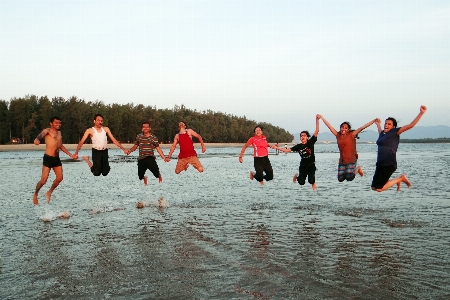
(222, 236)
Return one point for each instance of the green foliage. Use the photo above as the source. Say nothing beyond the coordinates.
(26, 117)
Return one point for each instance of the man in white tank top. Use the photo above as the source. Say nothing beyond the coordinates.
(98, 134)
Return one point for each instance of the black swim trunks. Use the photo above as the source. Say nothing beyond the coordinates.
(51, 161)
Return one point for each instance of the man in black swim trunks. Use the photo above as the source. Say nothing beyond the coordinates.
(53, 143)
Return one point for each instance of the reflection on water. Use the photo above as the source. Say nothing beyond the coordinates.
(218, 235)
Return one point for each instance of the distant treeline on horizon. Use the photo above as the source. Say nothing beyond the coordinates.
(22, 119)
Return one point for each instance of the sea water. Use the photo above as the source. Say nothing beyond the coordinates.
(219, 235)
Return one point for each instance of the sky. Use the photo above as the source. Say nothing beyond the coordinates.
(275, 61)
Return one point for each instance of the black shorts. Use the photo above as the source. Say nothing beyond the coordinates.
(381, 176)
(51, 161)
(149, 163)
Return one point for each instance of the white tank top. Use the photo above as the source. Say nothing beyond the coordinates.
(99, 139)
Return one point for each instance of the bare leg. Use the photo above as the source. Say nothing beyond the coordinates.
(360, 171)
(294, 179)
(159, 178)
(40, 184)
(396, 181)
(145, 180)
(86, 159)
(58, 179)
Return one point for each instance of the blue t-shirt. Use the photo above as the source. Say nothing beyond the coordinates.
(387, 147)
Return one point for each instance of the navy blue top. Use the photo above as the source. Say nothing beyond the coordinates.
(387, 147)
(306, 151)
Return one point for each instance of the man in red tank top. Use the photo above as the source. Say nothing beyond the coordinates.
(187, 153)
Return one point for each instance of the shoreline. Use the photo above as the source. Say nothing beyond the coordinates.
(73, 147)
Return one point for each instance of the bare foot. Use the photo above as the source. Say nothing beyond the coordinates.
(360, 171)
(35, 199)
(252, 175)
(314, 186)
(261, 182)
(145, 180)
(160, 178)
(140, 204)
(294, 179)
(48, 195)
(86, 159)
(161, 202)
(406, 181)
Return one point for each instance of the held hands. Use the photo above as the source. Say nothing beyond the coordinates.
(318, 117)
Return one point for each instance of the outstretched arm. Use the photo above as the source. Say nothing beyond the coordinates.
(241, 155)
(162, 154)
(63, 149)
(355, 132)
(40, 136)
(113, 139)
(333, 131)
(174, 145)
(423, 109)
(316, 133)
(83, 139)
(195, 134)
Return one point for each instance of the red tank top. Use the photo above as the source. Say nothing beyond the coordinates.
(186, 146)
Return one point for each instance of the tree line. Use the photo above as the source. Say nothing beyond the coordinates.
(24, 118)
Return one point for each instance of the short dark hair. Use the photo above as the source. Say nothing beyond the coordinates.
(394, 121)
(145, 123)
(54, 118)
(305, 132)
(258, 126)
(98, 115)
(184, 123)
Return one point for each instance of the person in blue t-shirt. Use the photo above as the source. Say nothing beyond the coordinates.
(387, 142)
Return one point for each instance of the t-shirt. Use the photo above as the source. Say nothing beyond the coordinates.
(306, 151)
(387, 147)
(147, 145)
(260, 146)
(347, 148)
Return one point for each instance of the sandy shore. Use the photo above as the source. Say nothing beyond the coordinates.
(72, 147)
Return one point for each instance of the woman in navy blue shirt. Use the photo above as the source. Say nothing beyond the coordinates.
(387, 142)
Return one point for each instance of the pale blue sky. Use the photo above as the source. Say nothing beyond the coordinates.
(277, 61)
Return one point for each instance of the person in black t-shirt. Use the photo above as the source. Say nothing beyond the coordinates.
(307, 166)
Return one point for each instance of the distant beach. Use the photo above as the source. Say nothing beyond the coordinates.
(72, 147)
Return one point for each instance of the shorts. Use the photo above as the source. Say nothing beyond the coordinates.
(381, 176)
(183, 163)
(346, 172)
(51, 161)
(147, 163)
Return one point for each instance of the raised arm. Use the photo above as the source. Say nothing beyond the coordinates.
(196, 135)
(316, 133)
(333, 131)
(356, 131)
(423, 109)
(378, 123)
(40, 136)
(174, 145)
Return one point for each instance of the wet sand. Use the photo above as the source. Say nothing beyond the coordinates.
(72, 147)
